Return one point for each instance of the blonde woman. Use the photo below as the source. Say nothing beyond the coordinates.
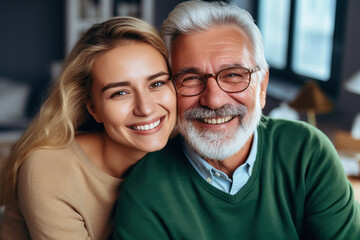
(113, 104)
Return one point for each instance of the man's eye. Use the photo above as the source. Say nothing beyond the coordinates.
(191, 80)
(191, 77)
(233, 75)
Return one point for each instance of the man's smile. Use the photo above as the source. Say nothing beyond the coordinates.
(217, 120)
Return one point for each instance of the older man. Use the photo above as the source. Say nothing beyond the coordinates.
(234, 174)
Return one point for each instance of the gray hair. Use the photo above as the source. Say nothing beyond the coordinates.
(194, 16)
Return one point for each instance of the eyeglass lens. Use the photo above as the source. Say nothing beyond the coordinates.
(229, 80)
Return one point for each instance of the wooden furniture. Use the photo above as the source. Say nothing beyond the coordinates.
(355, 181)
(344, 141)
(349, 150)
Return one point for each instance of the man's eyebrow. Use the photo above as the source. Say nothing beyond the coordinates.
(197, 70)
(128, 83)
(189, 70)
(233, 65)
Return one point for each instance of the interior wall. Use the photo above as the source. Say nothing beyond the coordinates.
(32, 35)
(348, 103)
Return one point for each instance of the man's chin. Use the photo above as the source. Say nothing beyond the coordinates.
(207, 143)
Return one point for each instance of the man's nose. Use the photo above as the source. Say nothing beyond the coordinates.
(144, 104)
(213, 96)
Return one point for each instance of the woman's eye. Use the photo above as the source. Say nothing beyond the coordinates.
(118, 93)
(157, 84)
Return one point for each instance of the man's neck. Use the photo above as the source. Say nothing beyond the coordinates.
(229, 165)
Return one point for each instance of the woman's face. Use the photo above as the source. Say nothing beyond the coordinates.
(133, 96)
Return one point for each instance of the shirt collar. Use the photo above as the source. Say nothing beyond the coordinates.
(205, 169)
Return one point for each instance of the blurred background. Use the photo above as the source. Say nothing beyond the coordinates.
(312, 46)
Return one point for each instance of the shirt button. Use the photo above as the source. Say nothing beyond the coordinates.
(208, 180)
(217, 174)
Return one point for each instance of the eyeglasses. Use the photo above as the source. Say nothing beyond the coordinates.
(230, 80)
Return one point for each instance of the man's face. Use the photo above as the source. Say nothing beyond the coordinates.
(209, 52)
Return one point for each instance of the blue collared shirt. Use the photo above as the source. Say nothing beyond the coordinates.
(218, 178)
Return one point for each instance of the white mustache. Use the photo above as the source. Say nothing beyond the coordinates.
(224, 111)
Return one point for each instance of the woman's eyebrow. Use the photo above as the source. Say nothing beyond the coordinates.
(116, 84)
(128, 83)
(156, 75)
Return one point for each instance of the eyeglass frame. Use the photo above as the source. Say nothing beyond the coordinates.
(216, 76)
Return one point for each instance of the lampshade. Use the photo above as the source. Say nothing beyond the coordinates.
(353, 84)
(284, 112)
(355, 130)
(312, 98)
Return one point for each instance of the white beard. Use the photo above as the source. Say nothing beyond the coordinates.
(221, 145)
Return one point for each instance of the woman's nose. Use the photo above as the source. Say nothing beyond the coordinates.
(144, 104)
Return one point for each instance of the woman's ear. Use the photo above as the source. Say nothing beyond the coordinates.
(91, 109)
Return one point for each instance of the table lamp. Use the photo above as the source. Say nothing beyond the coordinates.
(312, 100)
(353, 86)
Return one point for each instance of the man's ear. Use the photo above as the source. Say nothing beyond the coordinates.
(263, 87)
(91, 109)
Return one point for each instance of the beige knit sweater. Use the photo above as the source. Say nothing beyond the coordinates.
(62, 195)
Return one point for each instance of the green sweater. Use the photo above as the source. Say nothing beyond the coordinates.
(298, 190)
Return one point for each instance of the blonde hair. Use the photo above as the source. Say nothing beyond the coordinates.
(64, 112)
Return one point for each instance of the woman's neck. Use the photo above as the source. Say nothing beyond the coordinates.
(108, 155)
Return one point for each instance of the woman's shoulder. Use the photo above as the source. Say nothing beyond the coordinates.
(51, 157)
(49, 164)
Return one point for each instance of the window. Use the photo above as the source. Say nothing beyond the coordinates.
(303, 39)
(275, 44)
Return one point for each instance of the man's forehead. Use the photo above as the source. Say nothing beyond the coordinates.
(214, 35)
(223, 45)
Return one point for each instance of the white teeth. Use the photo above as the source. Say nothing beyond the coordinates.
(219, 120)
(146, 126)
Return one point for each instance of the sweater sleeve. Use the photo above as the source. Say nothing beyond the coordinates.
(331, 212)
(134, 221)
(46, 201)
